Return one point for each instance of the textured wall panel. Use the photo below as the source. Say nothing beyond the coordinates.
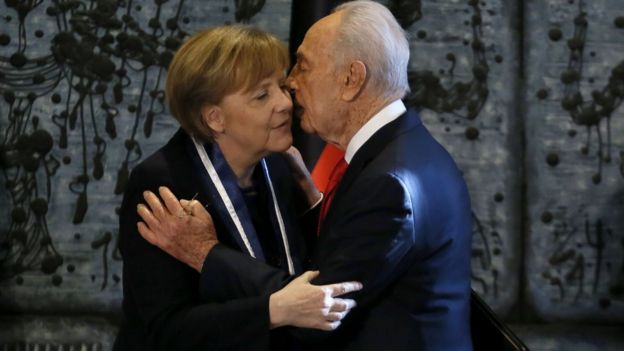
(56, 334)
(463, 72)
(82, 102)
(575, 151)
(571, 337)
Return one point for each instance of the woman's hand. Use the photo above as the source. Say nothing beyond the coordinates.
(302, 176)
(305, 305)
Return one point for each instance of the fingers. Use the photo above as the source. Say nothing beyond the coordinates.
(335, 316)
(307, 305)
(154, 204)
(308, 276)
(146, 233)
(147, 216)
(198, 210)
(329, 326)
(342, 305)
(187, 206)
(336, 313)
(344, 288)
(171, 201)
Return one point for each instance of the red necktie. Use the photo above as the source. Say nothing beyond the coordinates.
(334, 179)
(325, 165)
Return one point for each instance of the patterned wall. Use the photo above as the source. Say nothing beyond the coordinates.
(83, 102)
(575, 160)
(463, 74)
(526, 95)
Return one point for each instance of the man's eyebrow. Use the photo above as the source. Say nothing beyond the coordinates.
(300, 56)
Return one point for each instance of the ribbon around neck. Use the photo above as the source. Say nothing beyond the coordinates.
(220, 183)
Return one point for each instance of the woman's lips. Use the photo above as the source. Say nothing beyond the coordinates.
(285, 124)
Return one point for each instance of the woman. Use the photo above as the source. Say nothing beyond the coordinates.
(225, 87)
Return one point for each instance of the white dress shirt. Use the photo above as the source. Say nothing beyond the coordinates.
(383, 117)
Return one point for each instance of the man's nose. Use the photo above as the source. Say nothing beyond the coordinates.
(286, 101)
(291, 81)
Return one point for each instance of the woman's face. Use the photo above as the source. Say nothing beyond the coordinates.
(257, 122)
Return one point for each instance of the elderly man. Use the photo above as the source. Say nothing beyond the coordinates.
(399, 220)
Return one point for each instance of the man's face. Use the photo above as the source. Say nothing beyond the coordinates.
(316, 83)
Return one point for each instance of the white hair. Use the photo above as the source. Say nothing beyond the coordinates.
(370, 33)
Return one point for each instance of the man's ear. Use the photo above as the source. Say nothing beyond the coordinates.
(212, 118)
(354, 80)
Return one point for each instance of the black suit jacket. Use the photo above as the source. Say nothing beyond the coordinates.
(400, 223)
(162, 307)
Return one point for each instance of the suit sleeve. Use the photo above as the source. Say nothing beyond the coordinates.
(163, 293)
(230, 273)
(369, 238)
(227, 273)
(371, 233)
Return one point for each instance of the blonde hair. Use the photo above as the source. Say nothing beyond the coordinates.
(216, 62)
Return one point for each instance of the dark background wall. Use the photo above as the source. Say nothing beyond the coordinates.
(526, 95)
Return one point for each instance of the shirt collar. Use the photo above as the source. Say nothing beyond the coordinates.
(383, 117)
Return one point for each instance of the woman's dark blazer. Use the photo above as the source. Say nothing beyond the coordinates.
(161, 304)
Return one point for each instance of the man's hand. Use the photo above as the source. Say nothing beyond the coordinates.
(183, 229)
(302, 176)
(302, 304)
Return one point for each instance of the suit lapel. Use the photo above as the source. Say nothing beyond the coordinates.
(185, 180)
(369, 151)
(186, 183)
(283, 194)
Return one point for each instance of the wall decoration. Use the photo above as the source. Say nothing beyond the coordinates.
(82, 85)
(574, 142)
(526, 96)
